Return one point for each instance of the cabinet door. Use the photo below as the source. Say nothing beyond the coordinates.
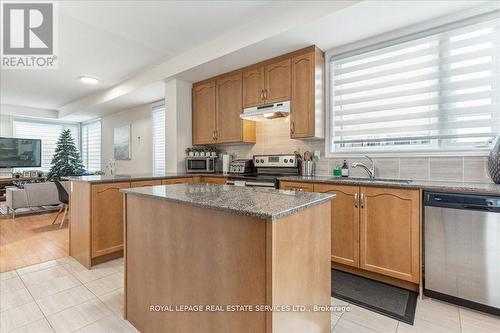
(204, 113)
(293, 186)
(303, 96)
(277, 81)
(390, 232)
(107, 218)
(229, 107)
(253, 87)
(145, 183)
(345, 223)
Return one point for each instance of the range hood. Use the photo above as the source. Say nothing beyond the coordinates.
(269, 111)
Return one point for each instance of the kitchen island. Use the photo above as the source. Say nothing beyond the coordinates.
(213, 258)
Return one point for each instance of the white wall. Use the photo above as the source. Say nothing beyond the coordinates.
(177, 123)
(141, 139)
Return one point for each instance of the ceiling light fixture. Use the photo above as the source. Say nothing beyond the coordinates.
(89, 80)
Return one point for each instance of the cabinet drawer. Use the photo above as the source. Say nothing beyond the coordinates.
(295, 186)
(144, 183)
(214, 180)
(177, 181)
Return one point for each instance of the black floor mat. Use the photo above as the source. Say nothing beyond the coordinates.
(391, 301)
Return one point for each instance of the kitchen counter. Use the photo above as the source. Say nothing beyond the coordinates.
(220, 245)
(93, 179)
(257, 202)
(439, 186)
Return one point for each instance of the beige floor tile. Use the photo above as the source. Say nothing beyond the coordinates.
(54, 286)
(373, 320)
(86, 275)
(12, 284)
(478, 322)
(109, 324)
(440, 315)
(19, 317)
(44, 275)
(37, 267)
(14, 299)
(78, 316)
(65, 299)
(347, 326)
(422, 326)
(114, 300)
(66, 260)
(106, 284)
(8, 275)
(39, 326)
(335, 320)
(117, 264)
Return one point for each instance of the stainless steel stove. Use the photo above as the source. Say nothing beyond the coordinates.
(265, 171)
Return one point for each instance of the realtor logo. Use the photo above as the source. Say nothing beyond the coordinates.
(28, 35)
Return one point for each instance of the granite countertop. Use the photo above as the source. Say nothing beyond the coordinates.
(139, 176)
(439, 186)
(263, 203)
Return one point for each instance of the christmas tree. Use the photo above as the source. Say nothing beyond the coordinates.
(66, 160)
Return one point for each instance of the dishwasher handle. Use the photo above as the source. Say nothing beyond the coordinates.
(462, 201)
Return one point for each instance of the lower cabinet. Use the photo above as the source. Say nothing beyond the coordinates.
(107, 218)
(145, 183)
(214, 180)
(295, 186)
(176, 181)
(376, 229)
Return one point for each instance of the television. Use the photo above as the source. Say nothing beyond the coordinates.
(20, 153)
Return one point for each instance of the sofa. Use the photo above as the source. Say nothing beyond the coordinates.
(33, 195)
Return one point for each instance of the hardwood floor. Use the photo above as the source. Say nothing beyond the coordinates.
(31, 240)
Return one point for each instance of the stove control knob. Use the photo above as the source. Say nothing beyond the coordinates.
(256, 161)
(291, 160)
(261, 160)
(286, 161)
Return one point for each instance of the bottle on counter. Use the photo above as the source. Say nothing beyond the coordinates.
(337, 171)
(345, 169)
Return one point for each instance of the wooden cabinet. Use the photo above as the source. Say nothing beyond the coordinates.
(390, 232)
(214, 180)
(253, 86)
(144, 183)
(295, 186)
(177, 181)
(217, 106)
(344, 223)
(376, 229)
(307, 104)
(107, 218)
(277, 81)
(204, 121)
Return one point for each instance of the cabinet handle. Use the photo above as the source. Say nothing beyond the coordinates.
(262, 94)
(216, 135)
(356, 200)
(292, 127)
(213, 135)
(362, 200)
(265, 93)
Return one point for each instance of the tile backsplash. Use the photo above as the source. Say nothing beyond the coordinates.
(273, 137)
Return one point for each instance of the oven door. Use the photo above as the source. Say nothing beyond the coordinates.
(250, 183)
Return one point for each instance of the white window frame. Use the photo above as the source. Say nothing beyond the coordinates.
(156, 105)
(391, 38)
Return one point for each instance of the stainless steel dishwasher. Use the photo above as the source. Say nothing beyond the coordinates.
(462, 249)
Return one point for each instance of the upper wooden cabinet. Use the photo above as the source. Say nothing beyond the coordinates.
(307, 102)
(297, 77)
(204, 113)
(253, 86)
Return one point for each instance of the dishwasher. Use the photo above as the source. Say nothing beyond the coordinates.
(462, 249)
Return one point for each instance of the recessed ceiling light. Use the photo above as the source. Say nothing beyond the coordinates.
(89, 80)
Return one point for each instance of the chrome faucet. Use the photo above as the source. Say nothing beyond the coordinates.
(370, 170)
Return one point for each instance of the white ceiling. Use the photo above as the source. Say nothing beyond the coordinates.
(131, 46)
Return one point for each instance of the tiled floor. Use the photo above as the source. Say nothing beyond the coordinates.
(63, 296)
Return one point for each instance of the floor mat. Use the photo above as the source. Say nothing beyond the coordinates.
(391, 301)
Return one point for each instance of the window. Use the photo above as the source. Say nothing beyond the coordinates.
(438, 93)
(91, 146)
(158, 117)
(47, 132)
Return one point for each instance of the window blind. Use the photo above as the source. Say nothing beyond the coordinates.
(91, 146)
(158, 118)
(49, 134)
(438, 93)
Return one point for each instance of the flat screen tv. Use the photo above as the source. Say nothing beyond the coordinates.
(20, 153)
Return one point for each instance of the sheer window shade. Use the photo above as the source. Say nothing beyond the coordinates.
(49, 134)
(158, 118)
(91, 146)
(438, 93)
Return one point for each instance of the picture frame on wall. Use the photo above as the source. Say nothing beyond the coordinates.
(121, 142)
